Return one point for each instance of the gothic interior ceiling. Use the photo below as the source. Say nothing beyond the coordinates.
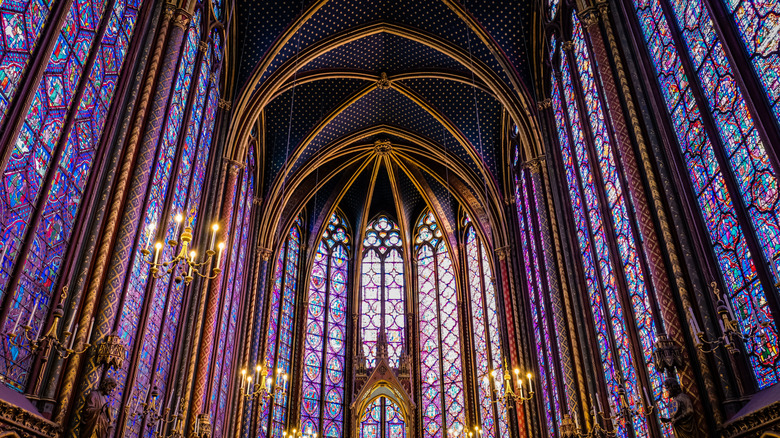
(382, 106)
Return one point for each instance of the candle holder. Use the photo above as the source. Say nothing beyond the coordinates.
(262, 388)
(458, 431)
(729, 328)
(184, 265)
(50, 342)
(299, 433)
(506, 393)
(155, 419)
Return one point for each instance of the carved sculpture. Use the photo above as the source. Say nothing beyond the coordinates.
(681, 405)
(97, 421)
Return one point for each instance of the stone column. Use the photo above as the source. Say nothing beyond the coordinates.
(212, 302)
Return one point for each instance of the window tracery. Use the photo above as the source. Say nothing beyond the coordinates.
(322, 408)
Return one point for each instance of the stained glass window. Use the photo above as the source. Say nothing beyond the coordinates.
(280, 329)
(382, 419)
(135, 294)
(231, 301)
(322, 409)
(757, 22)
(42, 132)
(747, 158)
(443, 405)
(487, 337)
(382, 291)
(22, 23)
(541, 320)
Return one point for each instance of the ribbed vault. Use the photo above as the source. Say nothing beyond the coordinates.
(383, 106)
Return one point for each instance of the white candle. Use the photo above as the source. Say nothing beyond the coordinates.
(35, 307)
(647, 397)
(530, 383)
(177, 219)
(520, 385)
(694, 322)
(2, 257)
(221, 247)
(598, 402)
(214, 229)
(91, 325)
(73, 337)
(157, 247)
(149, 230)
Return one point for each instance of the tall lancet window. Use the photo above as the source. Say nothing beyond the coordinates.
(278, 347)
(609, 243)
(322, 410)
(725, 154)
(382, 419)
(67, 115)
(441, 370)
(382, 291)
(538, 298)
(487, 336)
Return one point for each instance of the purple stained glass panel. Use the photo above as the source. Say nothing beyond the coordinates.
(747, 157)
(71, 172)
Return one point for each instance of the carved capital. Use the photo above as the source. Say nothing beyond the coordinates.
(203, 47)
(224, 104)
(502, 253)
(383, 146)
(543, 104)
(567, 46)
(265, 253)
(589, 17)
(168, 12)
(181, 19)
(534, 165)
(257, 200)
(603, 7)
(383, 83)
(510, 199)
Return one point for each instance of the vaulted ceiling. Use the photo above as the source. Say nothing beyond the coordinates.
(382, 106)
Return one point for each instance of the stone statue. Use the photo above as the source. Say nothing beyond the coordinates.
(681, 406)
(96, 416)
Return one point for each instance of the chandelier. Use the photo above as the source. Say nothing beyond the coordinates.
(184, 265)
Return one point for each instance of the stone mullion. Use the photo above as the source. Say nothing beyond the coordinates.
(643, 215)
(300, 315)
(555, 262)
(212, 301)
(674, 323)
(111, 222)
(267, 269)
(25, 92)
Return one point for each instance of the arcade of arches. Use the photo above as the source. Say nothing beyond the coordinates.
(392, 218)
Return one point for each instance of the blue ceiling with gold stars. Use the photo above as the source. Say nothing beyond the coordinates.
(337, 91)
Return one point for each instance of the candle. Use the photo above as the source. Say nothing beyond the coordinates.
(694, 322)
(598, 402)
(214, 229)
(520, 386)
(149, 230)
(647, 398)
(530, 383)
(157, 247)
(73, 337)
(221, 246)
(192, 260)
(35, 307)
(178, 218)
(89, 334)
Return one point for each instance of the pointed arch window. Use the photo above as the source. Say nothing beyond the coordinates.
(441, 370)
(382, 419)
(45, 129)
(322, 410)
(541, 317)
(609, 244)
(382, 307)
(726, 157)
(486, 331)
(278, 351)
